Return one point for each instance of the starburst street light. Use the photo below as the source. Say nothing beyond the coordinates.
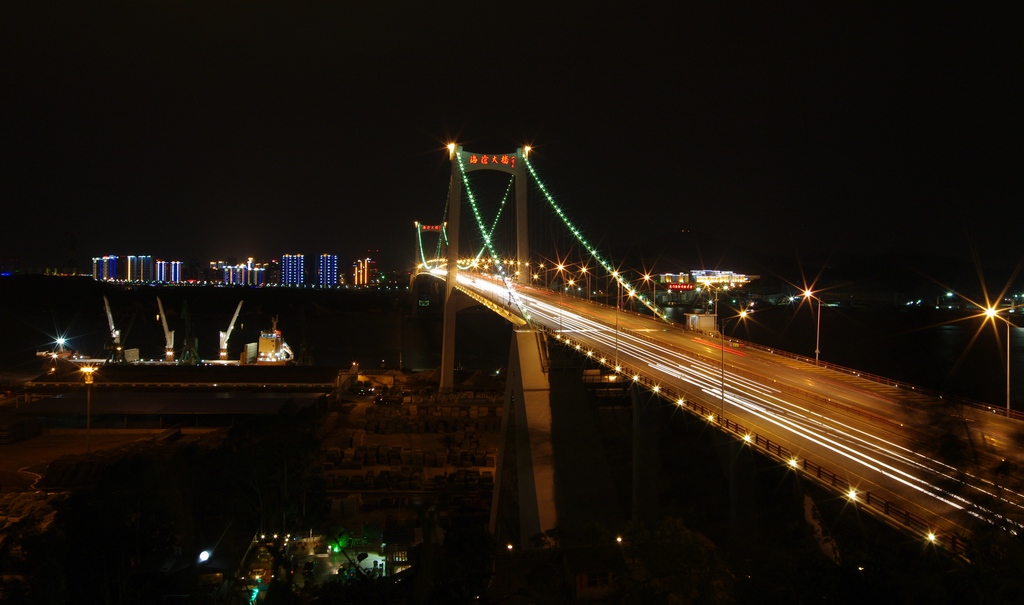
(648, 278)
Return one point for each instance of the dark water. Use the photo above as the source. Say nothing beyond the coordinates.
(938, 350)
(333, 327)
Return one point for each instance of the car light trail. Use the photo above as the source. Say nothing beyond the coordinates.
(767, 396)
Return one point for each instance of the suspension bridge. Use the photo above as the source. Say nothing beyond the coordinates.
(869, 440)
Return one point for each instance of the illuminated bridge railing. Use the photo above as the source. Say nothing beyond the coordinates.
(893, 514)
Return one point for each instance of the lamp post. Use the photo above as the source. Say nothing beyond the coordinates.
(87, 372)
(817, 338)
(561, 301)
(993, 314)
(618, 299)
(721, 322)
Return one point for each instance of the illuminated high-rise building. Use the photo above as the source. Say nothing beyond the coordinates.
(168, 272)
(233, 274)
(293, 270)
(364, 272)
(133, 268)
(104, 268)
(327, 271)
(146, 272)
(249, 273)
(257, 276)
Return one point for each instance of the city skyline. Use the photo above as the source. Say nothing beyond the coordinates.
(286, 269)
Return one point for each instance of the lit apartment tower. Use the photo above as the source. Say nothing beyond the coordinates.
(254, 273)
(146, 272)
(138, 268)
(104, 268)
(231, 274)
(175, 271)
(161, 271)
(256, 276)
(134, 269)
(293, 270)
(327, 271)
(364, 272)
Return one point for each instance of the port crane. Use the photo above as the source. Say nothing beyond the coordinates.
(168, 333)
(115, 353)
(224, 336)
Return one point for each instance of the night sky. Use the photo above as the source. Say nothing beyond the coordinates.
(181, 131)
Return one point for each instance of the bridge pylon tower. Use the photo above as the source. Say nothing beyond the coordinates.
(463, 162)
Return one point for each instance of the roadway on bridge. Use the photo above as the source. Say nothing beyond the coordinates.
(876, 436)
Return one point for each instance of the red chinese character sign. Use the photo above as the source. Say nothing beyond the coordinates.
(679, 287)
(505, 162)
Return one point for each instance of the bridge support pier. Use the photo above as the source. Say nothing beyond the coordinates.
(451, 308)
(737, 464)
(646, 430)
(525, 470)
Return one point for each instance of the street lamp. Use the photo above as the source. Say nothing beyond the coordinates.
(742, 314)
(993, 314)
(560, 268)
(817, 341)
(618, 299)
(586, 276)
(87, 372)
(720, 324)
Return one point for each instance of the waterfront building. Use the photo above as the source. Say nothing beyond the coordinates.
(249, 273)
(138, 268)
(293, 270)
(327, 271)
(364, 272)
(713, 277)
(168, 272)
(104, 268)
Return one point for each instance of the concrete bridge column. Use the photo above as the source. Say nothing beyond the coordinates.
(526, 445)
(450, 307)
(646, 461)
